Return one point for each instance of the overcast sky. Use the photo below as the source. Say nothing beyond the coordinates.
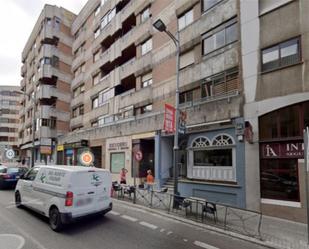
(17, 18)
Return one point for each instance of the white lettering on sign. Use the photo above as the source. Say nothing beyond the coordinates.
(270, 151)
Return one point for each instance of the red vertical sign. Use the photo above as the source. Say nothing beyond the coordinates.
(169, 118)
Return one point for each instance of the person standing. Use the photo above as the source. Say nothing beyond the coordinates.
(149, 180)
(123, 176)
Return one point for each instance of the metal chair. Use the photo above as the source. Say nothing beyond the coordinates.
(210, 208)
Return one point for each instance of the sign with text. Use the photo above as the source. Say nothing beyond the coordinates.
(169, 119)
(294, 149)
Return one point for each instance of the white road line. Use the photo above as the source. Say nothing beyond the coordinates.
(146, 224)
(12, 241)
(204, 245)
(129, 218)
(162, 230)
(185, 240)
(169, 233)
(114, 213)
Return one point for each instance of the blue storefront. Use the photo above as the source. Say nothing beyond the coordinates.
(211, 162)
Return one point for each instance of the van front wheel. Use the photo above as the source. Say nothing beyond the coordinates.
(55, 219)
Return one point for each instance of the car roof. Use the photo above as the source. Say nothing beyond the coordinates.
(72, 168)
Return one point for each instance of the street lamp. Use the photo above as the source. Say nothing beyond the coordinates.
(161, 27)
(32, 96)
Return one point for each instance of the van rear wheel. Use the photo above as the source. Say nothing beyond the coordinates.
(55, 219)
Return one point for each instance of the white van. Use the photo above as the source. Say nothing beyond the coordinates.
(64, 193)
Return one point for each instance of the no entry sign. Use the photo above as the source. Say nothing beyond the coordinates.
(138, 155)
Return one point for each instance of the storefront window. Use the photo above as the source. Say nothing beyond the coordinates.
(279, 179)
(213, 157)
(117, 161)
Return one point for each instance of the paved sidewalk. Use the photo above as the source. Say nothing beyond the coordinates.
(275, 233)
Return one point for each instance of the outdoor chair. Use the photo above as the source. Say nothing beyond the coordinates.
(117, 189)
(210, 208)
(180, 202)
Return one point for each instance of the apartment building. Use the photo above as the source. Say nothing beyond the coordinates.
(9, 120)
(275, 42)
(124, 74)
(46, 72)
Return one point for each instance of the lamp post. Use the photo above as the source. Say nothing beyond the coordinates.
(160, 26)
(32, 96)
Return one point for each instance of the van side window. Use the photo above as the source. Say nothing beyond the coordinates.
(30, 176)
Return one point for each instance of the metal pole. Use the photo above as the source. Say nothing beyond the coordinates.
(176, 115)
(306, 177)
(134, 175)
(33, 130)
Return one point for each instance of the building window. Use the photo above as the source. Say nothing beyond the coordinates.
(96, 56)
(185, 19)
(96, 79)
(77, 111)
(185, 97)
(96, 33)
(55, 61)
(211, 157)
(108, 18)
(208, 4)
(220, 84)
(146, 80)
(97, 10)
(117, 161)
(125, 113)
(281, 55)
(224, 35)
(105, 95)
(145, 15)
(95, 102)
(146, 109)
(78, 90)
(147, 46)
(105, 120)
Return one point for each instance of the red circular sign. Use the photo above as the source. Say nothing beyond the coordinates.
(138, 155)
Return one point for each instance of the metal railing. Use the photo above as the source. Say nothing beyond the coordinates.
(216, 214)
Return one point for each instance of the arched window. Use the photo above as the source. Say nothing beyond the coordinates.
(222, 140)
(200, 142)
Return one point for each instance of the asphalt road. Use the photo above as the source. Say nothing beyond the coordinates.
(123, 228)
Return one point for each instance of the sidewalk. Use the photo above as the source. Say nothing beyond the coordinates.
(274, 232)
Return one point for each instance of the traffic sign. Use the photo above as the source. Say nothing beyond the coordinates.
(10, 154)
(138, 155)
(87, 158)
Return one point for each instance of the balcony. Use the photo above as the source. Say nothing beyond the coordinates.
(144, 63)
(77, 121)
(129, 9)
(133, 35)
(108, 30)
(127, 68)
(48, 32)
(23, 70)
(80, 39)
(78, 60)
(77, 80)
(135, 97)
(46, 92)
(97, 112)
(77, 100)
(46, 132)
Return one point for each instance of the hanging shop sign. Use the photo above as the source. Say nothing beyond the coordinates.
(294, 149)
(169, 119)
(45, 150)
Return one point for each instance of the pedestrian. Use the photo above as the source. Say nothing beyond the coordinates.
(149, 180)
(123, 173)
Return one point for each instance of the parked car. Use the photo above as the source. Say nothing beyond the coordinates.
(65, 193)
(10, 175)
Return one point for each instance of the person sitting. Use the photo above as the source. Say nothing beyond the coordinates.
(123, 178)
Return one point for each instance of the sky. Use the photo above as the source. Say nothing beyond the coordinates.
(17, 19)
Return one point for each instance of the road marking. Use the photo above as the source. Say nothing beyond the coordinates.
(169, 233)
(129, 218)
(146, 224)
(204, 245)
(162, 230)
(114, 213)
(11, 241)
(185, 240)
